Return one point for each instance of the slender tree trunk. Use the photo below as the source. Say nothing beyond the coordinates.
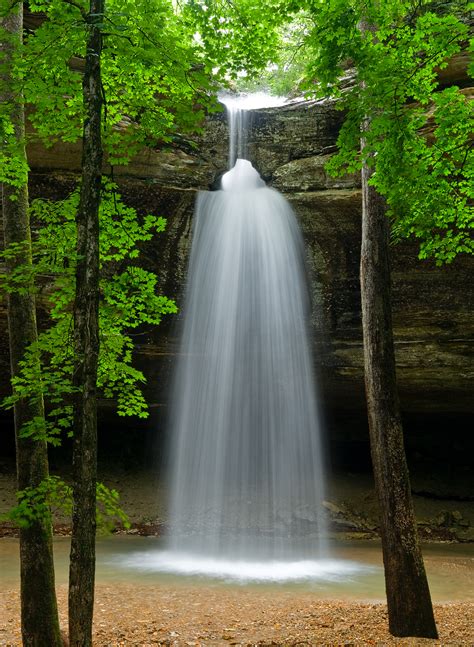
(86, 347)
(410, 612)
(39, 613)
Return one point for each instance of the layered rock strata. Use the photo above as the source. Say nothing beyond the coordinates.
(434, 327)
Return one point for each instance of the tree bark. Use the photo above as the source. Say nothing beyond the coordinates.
(86, 347)
(410, 611)
(39, 613)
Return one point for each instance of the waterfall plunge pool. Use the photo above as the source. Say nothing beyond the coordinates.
(354, 571)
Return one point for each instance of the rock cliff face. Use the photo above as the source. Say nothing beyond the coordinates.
(434, 327)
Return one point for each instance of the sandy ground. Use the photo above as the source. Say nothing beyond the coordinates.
(132, 614)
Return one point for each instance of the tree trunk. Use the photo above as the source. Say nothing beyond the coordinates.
(410, 611)
(86, 347)
(39, 613)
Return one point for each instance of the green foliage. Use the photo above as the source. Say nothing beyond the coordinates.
(19, 279)
(159, 78)
(129, 300)
(13, 168)
(432, 197)
(161, 65)
(417, 137)
(157, 87)
(53, 495)
(155, 79)
(37, 504)
(156, 90)
(108, 512)
(235, 36)
(284, 76)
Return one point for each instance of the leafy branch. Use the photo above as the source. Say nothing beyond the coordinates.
(53, 496)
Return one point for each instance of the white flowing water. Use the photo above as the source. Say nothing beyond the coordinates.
(247, 477)
(247, 484)
(238, 127)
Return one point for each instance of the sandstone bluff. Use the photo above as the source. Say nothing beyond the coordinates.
(289, 146)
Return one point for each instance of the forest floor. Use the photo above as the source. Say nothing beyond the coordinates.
(143, 615)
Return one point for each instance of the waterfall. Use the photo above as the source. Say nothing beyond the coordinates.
(246, 452)
(246, 483)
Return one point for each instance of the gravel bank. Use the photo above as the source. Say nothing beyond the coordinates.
(145, 615)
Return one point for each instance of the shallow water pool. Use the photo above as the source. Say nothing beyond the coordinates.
(353, 571)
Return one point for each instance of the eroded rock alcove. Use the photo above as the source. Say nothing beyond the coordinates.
(432, 305)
